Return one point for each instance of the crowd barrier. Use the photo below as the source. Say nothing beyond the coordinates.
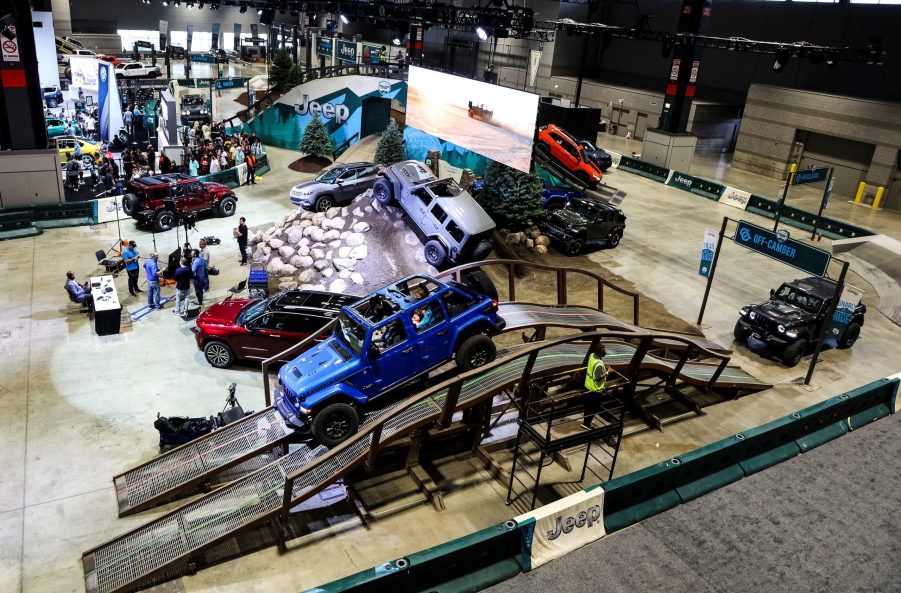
(761, 205)
(479, 560)
(237, 175)
(27, 221)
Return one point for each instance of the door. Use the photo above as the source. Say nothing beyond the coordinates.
(641, 126)
(345, 186)
(432, 334)
(263, 336)
(193, 198)
(396, 360)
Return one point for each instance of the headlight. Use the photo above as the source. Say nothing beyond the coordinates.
(753, 315)
(596, 178)
(781, 328)
(791, 334)
(743, 311)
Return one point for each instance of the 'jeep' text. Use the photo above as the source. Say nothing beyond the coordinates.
(583, 519)
(328, 111)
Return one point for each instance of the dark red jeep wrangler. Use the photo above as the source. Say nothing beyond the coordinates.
(162, 201)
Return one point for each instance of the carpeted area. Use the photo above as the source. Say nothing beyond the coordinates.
(827, 521)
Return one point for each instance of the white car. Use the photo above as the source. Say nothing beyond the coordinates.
(137, 70)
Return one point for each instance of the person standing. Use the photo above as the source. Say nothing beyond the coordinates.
(165, 164)
(130, 256)
(152, 269)
(241, 236)
(182, 276)
(128, 163)
(126, 120)
(138, 118)
(198, 269)
(251, 168)
(214, 164)
(205, 254)
(595, 382)
(193, 167)
(151, 158)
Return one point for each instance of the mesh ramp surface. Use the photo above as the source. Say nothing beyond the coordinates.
(121, 564)
(161, 477)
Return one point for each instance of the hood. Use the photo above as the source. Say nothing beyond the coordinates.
(309, 185)
(782, 312)
(224, 312)
(564, 217)
(318, 367)
(213, 186)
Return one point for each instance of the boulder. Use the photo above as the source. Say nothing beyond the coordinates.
(344, 211)
(541, 249)
(410, 238)
(307, 231)
(334, 223)
(275, 266)
(361, 227)
(542, 240)
(530, 243)
(306, 222)
(335, 244)
(275, 243)
(267, 250)
(368, 209)
(344, 234)
(320, 287)
(321, 265)
(359, 252)
(297, 261)
(514, 238)
(287, 285)
(357, 212)
(331, 235)
(333, 212)
(344, 251)
(307, 215)
(303, 250)
(286, 251)
(376, 206)
(316, 235)
(345, 274)
(327, 273)
(295, 234)
(338, 285)
(533, 233)
(318, 218)
(356, 278)
(317, 253)
(307, 275)
(355, 239)
(342, 263)
(305, 261)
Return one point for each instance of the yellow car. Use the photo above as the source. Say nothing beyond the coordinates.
(66, 147)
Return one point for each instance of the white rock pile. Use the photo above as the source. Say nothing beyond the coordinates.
(532, 239)
(315, 251)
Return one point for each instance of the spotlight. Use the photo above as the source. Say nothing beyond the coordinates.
(164, 2)
(397, 40)
(259, 11)
(344, 19)
(482, 33)
(782, 56)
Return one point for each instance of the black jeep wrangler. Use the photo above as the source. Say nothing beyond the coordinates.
(585, 222)
(791, 320)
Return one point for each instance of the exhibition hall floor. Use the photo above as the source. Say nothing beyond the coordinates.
(79, 409)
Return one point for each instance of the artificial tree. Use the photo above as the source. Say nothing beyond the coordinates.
(511, 197)
(316, 140)
(391, 145)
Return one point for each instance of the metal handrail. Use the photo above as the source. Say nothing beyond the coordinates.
(561, 286)
(295, 349)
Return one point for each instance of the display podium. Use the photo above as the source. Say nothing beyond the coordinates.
(107, 308)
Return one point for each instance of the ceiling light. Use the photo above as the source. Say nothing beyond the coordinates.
(783, 54)
(344, 19)
(259, 11)
(482, 33)
(164, 2)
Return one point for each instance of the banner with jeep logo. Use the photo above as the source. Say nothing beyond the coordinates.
(696, 185)
(735, 198)
(561, 527)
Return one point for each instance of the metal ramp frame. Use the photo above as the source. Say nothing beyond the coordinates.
(152, 552)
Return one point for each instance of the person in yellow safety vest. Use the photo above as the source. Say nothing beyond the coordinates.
(595, 381)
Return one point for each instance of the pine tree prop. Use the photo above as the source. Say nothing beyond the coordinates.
(391, 145)
(316, 141)
(511, 197)
(280, 70)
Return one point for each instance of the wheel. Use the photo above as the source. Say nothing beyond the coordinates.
(324, 203)
(554, 205)
(129, 202)
(852, 332)
(218, 354)
(435, 253)
(543, 148)
(51, 103)
(480, 281)
(476, 351)
(613, 239)
(335, 424)
(583, 177)
(165, 220)
(383, 191)
(740, 333)
(574, 247)
(794, 352)
(227, 207)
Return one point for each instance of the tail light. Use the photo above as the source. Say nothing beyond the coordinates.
(494, 304)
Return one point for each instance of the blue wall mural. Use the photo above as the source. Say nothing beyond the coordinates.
(417, 144)
(341, 111)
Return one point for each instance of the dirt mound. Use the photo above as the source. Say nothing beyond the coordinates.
(310, 164)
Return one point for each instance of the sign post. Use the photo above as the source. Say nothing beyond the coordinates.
(823, 204)
(791, 175)
(716, 256)
(833, 304)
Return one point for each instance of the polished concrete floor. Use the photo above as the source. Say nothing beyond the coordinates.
(79, 409)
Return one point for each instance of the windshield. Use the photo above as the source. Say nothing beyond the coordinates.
(192, 101)
(582, 208)
(330, 175)
(252, 311)
(446, 188)
(795, 297)
(587, 145)
(351, 333)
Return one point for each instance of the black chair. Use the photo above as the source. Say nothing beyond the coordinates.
(239, 287)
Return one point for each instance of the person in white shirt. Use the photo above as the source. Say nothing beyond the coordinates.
(214, 165)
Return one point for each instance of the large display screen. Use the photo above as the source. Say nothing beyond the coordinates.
(84, 73)
(492, 120)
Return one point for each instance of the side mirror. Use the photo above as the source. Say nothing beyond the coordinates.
(373, 352)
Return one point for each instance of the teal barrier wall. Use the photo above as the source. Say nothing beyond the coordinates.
(644, 169)
(479, 560)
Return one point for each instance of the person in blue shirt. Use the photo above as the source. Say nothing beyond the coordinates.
(130, 257)
(152, 269)
(193, 167)
(126, 120)
(198, 268)
(78, 292)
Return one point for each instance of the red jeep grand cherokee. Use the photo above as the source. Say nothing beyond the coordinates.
(161, 200)
(258, 329)
(563, 148)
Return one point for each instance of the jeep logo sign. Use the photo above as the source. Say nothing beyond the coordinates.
(566, 525)
(735, 198)
(563, 526)
(682, 180)
(328, 111)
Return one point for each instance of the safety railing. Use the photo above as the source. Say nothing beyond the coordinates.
(561, 275)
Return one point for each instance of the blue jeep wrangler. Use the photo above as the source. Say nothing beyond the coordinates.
(385, 340)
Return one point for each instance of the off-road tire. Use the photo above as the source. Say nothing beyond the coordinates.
(129, 202)
(739, 333)
(574, 248)
(480, 281)
(476, 351)
(218, 354)
(227, 207)
(794, 352)
(435, 253)
(613, 239)
(323, 203)
(383, 192)
(164, 220)
(852, 332)
(335, 423)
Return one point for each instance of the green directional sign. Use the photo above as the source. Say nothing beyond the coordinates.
(780, 247)
(324, 46)
(346, 51)
(811, 175)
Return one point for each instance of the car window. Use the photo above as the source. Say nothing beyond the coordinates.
(272, 321)
(348, 175)
(303, 324)
(194, 188)
(455, 231)
(456, 302)
(423, 196)
(439, 213)
(329, 175)
(427, 316)
(351, 333)
(389, 335)
(368, 171)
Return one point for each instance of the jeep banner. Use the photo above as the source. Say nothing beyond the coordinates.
(843, 312)
(561, 527)
(346, 51)
(215, 39)
(695, 185)
(735, 198)
(707, 251)
(236, 39)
